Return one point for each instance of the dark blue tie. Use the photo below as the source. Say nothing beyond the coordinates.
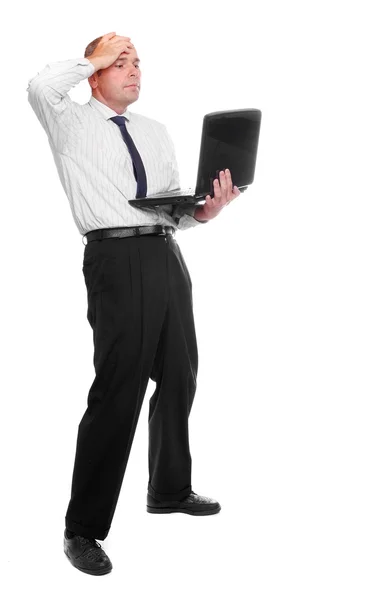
(138, 167)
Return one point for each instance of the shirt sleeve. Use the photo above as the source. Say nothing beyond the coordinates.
(182, 215)
(48, 95)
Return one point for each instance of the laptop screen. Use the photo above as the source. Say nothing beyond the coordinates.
(229, 141)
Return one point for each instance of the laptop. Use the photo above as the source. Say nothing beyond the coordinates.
(229, 140)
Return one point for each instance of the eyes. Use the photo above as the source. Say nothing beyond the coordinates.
(123, 65)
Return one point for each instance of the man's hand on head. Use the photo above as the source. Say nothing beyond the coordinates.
(109, 49)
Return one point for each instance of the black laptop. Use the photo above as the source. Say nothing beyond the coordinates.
(229, 140)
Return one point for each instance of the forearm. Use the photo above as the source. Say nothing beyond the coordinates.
(57, 78)
(47, 91)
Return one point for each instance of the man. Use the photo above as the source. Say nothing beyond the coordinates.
(139, 290)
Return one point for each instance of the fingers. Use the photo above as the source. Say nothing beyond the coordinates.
(119, 38)
(217, 191)
(113, 34)
(231, 189)
(229, 181)
(223, 184)
(222, 187)
(129, 47)
(227, 191)
(223, 190)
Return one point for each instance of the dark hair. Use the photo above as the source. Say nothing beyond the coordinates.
(90, 49)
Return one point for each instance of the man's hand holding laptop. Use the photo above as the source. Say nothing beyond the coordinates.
(224, 193)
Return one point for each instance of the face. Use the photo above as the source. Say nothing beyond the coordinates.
(119, 85)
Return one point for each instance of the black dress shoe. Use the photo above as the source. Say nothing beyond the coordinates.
(192, 505)
(87, 555)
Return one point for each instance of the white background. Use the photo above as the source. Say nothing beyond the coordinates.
(291, 424)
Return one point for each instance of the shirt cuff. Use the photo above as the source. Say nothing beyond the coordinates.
(87, 63)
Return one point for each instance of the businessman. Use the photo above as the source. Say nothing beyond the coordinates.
(139, 290)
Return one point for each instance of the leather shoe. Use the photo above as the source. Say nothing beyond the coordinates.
(193, 504)
(87, 555)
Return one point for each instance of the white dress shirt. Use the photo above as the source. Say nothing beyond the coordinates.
(92, 159)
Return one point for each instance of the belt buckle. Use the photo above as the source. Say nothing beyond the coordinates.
(84, 244)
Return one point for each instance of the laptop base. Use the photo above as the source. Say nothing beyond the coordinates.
(175, 200)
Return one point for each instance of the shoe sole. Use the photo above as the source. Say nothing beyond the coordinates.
(88, 571)
(212, 511)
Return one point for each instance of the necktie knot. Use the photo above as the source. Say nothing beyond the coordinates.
(118, 120)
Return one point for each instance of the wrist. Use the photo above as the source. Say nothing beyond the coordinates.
(96, 61)
(199, 214)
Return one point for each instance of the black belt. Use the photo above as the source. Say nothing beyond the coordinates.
(120, 232)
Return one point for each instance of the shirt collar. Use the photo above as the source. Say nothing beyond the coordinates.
(106, 111)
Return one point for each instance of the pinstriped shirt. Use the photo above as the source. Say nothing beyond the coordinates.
(92, 159)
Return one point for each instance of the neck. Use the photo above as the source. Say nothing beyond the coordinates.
(118, 107)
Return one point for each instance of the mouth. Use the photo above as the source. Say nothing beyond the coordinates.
(133, 85)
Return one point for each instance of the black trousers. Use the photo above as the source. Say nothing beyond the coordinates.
(140, 308)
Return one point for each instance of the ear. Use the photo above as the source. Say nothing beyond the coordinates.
(93, 80)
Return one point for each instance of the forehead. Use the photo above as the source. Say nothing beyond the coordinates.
(128, 58)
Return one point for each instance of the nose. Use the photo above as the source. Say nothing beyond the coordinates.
(134, 74)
